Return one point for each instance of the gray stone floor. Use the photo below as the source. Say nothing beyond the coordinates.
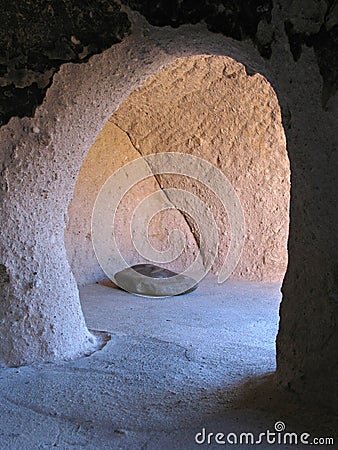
(173, 366)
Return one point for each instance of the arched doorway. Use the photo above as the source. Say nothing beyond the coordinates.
(59, 136)
(70, 120)
(208, 107)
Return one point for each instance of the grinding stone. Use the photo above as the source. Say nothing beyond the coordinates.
(154, 281)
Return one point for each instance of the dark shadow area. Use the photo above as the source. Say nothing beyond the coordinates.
(261, 395)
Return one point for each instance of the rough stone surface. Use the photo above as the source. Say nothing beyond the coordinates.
(36, 37)
(315, 24)
(110, 151)
(238, 19)
(208, 107)
(38, 291)
(69, 121)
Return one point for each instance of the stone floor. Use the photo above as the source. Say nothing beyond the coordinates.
(173, 367)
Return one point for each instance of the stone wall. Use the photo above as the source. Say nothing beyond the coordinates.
(209, 107)
(38, 37)
(111, 150)
(293, 43)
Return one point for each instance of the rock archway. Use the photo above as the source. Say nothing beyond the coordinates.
(41, 318)
(205, 106)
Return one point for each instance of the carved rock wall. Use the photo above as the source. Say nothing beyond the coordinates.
(41, 318)
(209, 107)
